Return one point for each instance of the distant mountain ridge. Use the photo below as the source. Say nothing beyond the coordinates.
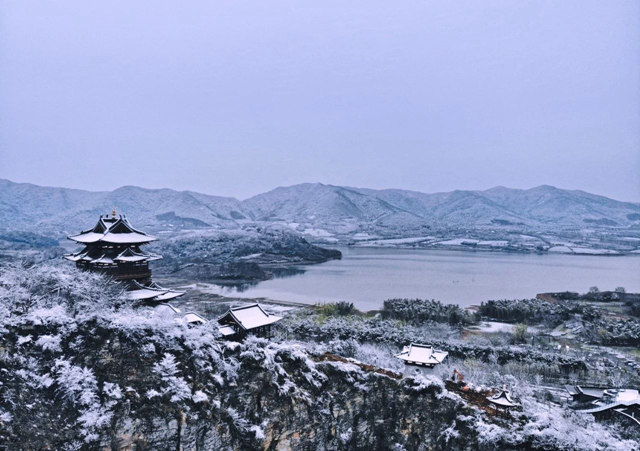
(336, 208)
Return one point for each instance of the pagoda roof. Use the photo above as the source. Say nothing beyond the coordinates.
(129, 255)
(250, 316)
(112, 231)
(422, 354)
(502, 399)
(152, 292)
(111, 256)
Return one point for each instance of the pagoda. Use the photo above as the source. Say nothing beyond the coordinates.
(112, 247)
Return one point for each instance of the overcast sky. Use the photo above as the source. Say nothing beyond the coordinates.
(235, 98)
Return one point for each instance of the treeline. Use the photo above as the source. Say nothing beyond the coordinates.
(597, 328)
(528, 311)
(418, 311)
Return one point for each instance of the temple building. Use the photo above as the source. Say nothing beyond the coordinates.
(424, 355)
(250, 319)
(623, 403)
(113, 247)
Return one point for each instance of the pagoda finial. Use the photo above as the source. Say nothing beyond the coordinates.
(113, 212)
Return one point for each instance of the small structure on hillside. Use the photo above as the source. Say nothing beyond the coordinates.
(584, 394)
(625, 402)
(113, 247)
(424, 355)
(502, 399)
(249, 319)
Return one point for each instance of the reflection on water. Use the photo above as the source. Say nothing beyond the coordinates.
(232, 287)
(367, 277)
(283, 273)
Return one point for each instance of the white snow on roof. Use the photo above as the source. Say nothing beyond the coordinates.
(194, 318)
(225, 331)
(126, 238)
(502, 399)
(170, 294)
(152, 291)
(103, 260)
(425, 354)
(252, 316)
(75, 257)
(89, 237)
(626, 396)
(142, 293)
(130, 236)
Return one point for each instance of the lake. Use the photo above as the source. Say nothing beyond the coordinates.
(367, 277)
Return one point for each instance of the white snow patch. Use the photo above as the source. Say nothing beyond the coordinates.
(458, 241)
(317, 232)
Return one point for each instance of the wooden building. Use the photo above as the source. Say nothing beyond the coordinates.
(113, 247)
(424, 355)
(249, 319)
(622, 403)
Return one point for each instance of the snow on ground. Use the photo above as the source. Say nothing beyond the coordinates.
(458, 242)
(329, 240)
(363, 236)
(586, 250)
(394, 241)
(582, 250)
(496, 326)
(317, 232)
(499, 243)
(247, 257)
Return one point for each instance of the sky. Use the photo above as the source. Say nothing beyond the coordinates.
(235, 98)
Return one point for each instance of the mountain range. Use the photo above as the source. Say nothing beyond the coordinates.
(316, 208)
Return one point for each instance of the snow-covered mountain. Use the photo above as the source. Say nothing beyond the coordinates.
(28, 206)
(540, 206)
(313, 208)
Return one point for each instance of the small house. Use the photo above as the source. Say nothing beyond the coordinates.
(424, 355)
(625, 402)
(584, 394)
(249, 319)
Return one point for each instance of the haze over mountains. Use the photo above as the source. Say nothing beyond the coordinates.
(315, 205)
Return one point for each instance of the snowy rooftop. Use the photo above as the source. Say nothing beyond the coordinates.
(225, 331)
(502, 399)
(114, 231)
(625, 397)
(614, 399)
(422, 354)
(112, 256)
(194, 318)
(250, 317)
(153, 291)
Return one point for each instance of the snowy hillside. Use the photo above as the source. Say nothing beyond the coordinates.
(331, 214)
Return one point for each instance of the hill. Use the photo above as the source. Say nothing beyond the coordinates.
(339, 214)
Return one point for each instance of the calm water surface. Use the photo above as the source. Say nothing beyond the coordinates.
(367, 277)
